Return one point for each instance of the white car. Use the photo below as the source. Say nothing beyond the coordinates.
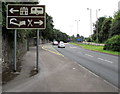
(55, 43)
(61, 44)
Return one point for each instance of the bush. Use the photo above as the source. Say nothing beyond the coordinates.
(113, 44)
(89, 39)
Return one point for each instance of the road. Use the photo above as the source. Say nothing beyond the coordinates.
(57, 74)
(103, 65)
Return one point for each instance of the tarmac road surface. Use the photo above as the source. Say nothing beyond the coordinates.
(103, 65)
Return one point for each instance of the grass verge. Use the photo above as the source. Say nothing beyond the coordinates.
(96, 48)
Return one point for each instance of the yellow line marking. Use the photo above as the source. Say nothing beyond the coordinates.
(53, 52)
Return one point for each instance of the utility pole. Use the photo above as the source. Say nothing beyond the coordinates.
(90, 20)
(97, 25)
(77, 25)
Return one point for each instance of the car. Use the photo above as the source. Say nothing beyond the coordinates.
(55, 42)
(61, 44)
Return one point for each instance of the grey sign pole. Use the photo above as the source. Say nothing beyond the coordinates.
(37, 51)
(15, 42)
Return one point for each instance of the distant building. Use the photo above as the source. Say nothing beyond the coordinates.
(119, 5)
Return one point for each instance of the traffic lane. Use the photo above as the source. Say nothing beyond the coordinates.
(109, 60)
(94, 57)
(103, 70)
(94, 53)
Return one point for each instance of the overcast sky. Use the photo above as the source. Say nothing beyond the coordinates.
(65, 12)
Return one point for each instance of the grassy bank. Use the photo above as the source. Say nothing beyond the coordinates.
(96, 48)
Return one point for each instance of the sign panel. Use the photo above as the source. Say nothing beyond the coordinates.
(26, 16)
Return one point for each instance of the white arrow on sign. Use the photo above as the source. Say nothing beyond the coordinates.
(40, 22)
(12, 10)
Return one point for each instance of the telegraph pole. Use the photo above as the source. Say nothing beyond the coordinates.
(97, 25)
(77, 25)
(90, 20)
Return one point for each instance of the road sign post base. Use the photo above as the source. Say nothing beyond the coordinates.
(36, 70)
(17, 73)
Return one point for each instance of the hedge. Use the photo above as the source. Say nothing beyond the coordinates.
(113, 43)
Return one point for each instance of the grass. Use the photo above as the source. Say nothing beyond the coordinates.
(96, 48)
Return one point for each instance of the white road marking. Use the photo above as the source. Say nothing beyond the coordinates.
(108, 61)
(97, 76)
(101, 59)
(105, 60)
(88, 70)
(74, 68)
(110, 84)
(0, 59)
(89, 55)
(93, 74)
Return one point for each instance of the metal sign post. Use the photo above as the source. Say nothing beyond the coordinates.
(37, 51)
(15, 44)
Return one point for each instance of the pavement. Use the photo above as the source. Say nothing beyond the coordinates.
(57, 74)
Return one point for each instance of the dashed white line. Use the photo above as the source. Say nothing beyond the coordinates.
(105, 60)
(108, 61)
(89, 55)
(74, 68)
(0, 59)
(101, 59)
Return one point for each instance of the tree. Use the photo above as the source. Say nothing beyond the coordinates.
(97, 29)
(60, 36)
(72, 38)
(105, 29)
(115, 27)
(78, 35)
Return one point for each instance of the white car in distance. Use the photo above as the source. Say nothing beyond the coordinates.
(55, 43)
(61, 44)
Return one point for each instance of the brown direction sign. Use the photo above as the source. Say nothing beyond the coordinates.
(25, 16)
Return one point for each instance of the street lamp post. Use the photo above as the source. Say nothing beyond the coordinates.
(90, 20)
(77, 25)
(97, 23)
